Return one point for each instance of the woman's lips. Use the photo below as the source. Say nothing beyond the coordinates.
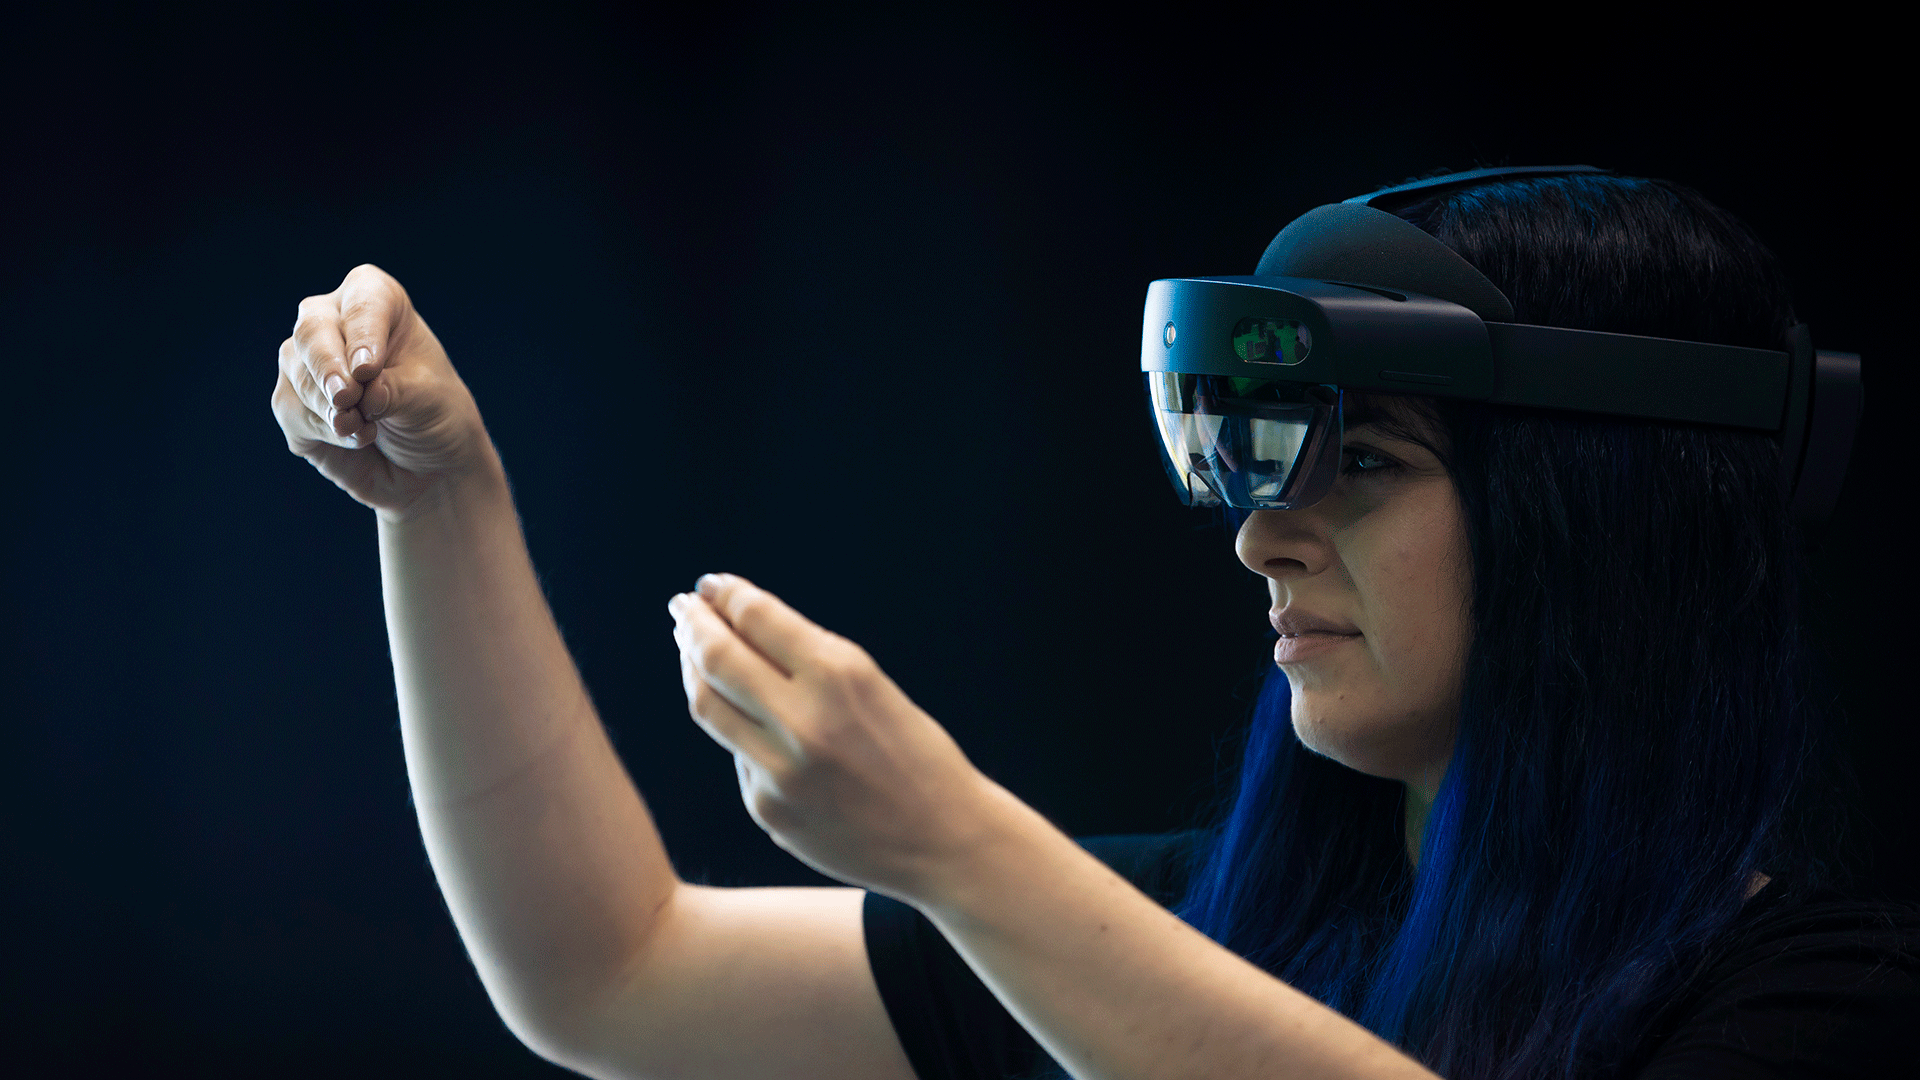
(1291, 649)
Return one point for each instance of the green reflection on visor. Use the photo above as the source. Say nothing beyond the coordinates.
(1260, 340)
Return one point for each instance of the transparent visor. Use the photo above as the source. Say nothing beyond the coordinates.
(1248, 443)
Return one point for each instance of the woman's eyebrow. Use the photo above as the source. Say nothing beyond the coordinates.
(1372, 429)
(1387, 438)
(1367, 416)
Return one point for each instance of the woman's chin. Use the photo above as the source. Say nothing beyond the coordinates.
(1377, 747)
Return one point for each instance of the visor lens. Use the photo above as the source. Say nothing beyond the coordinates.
(1248, 443)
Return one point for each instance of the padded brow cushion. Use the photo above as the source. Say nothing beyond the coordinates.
(1356, 244)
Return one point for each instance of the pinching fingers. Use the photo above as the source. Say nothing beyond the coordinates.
(724, 722)
(788, 639)
(731, 689)
(303, 408)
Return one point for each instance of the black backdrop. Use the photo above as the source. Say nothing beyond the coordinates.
(842, 301)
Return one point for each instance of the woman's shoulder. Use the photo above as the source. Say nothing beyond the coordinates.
(1825, 922)
(1827, 983)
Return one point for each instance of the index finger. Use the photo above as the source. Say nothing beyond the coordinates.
(316, 340)
(763, 620)
(372, 306)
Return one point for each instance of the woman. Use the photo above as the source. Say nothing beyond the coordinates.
(1503, 815)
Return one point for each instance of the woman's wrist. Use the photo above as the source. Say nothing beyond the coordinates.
(479, 480)
(1001, 836)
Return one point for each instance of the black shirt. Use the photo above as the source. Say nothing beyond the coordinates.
(1827, 988)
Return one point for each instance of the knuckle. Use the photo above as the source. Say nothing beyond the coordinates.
(770, 809)
(757, 808)
(308, 327)
(845, 661)
(707, 704)
(371, 275)
(300, 380)
(819, 742)
(704, 698)
(856, 653)
(359, 309)
(708, 653)
(750, 608)
(818, 750)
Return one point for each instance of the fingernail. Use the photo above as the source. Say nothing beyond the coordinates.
(335, 384)
(708, 584)
(674, 604)
(361, 358)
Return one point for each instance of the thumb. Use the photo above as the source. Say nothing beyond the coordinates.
(373, 307)
(381, 397)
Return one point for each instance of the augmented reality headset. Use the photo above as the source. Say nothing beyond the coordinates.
(1246, 375)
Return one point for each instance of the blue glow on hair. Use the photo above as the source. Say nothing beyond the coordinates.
(1639, 728)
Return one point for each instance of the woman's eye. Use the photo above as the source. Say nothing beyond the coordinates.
(1361, 461)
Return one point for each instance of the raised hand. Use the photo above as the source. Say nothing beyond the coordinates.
(368, 396)
(834, 761)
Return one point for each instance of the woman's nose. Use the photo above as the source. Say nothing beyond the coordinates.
(1284, 543)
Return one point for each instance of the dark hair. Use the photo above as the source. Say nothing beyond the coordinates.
(1638, 729)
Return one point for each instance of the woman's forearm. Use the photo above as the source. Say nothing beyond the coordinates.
(547, 857)
(1116, 987)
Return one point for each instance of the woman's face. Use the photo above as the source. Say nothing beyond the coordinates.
(1384, 556)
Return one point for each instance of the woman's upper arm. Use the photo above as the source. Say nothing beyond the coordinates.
(757, 983)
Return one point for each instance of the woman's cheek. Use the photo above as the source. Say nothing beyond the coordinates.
(1384, 710)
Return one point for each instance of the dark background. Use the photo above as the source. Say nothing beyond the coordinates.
(844, 301)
